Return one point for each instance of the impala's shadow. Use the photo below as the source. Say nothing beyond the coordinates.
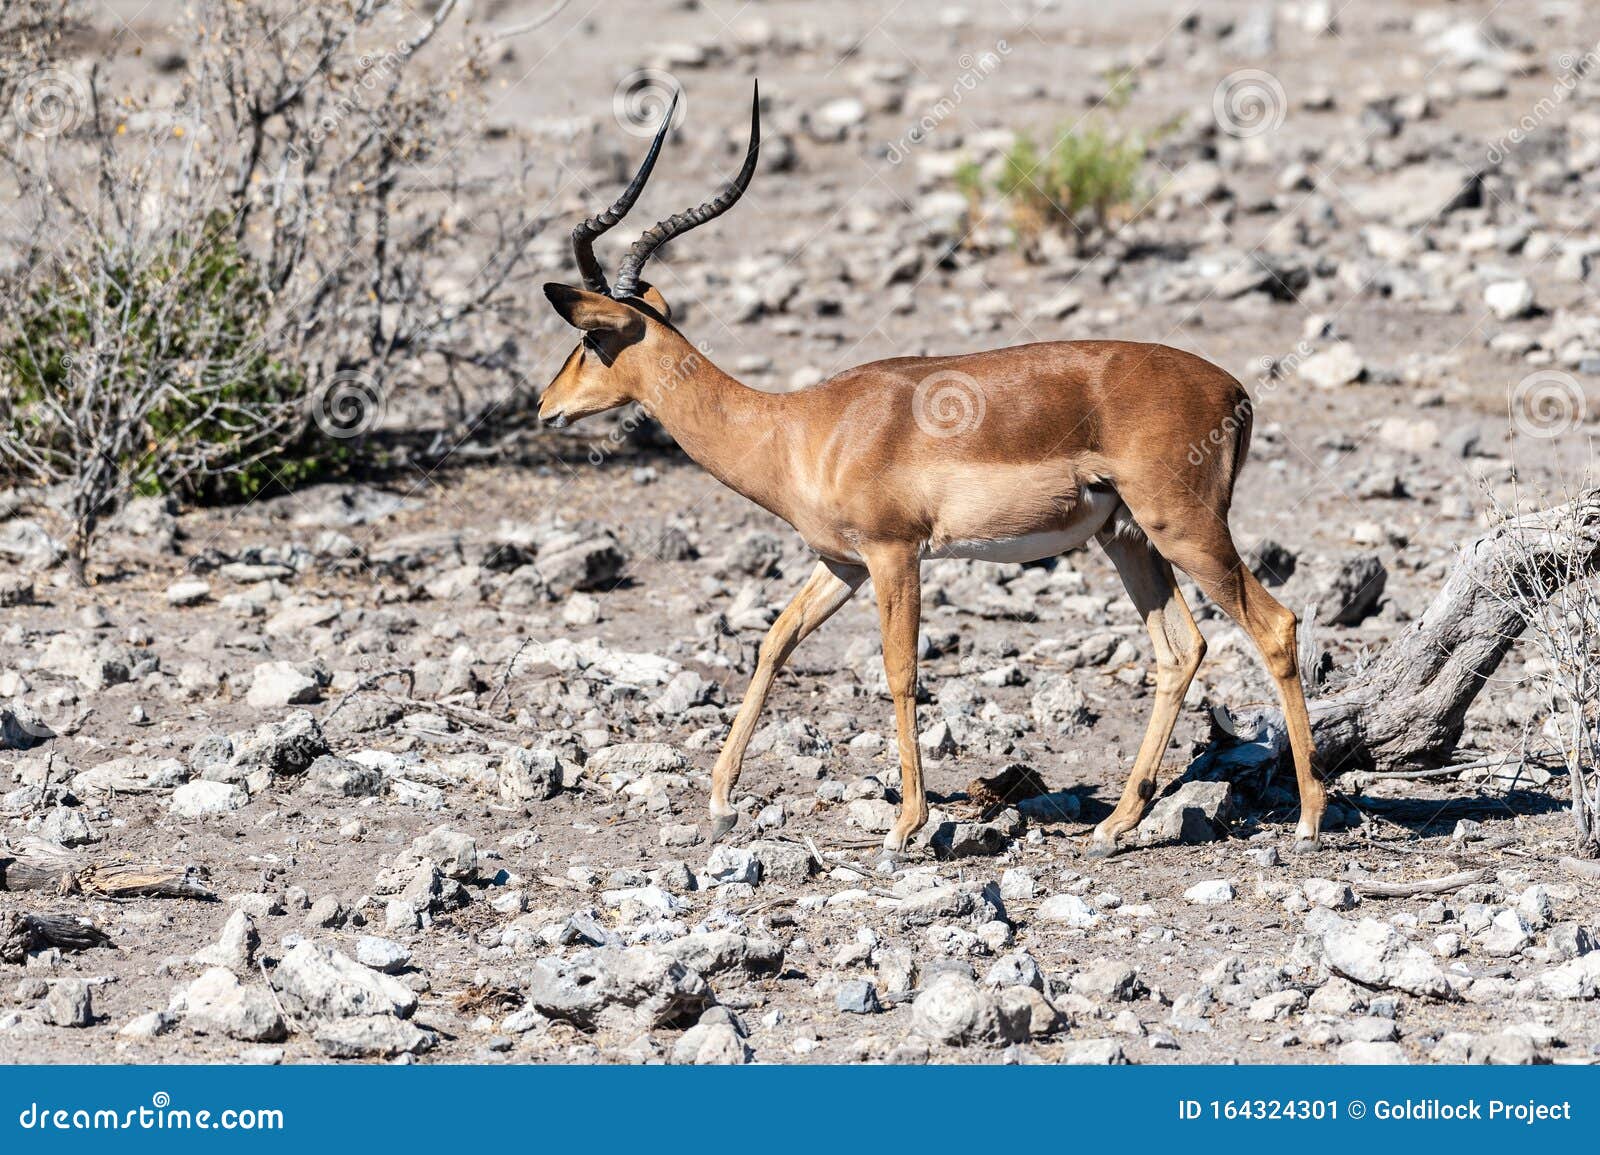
(1435, 817)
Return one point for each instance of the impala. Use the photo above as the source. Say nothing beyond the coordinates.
(1009, 455)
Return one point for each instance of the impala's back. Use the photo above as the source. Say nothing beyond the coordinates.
(1016, 454)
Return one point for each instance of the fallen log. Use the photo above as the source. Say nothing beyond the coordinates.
(54, 871)
(22, 934)
(1407, 710)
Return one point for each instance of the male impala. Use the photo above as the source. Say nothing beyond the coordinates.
(1008, 455)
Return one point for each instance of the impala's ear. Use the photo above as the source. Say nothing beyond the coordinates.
(592, 311)
(652, 297)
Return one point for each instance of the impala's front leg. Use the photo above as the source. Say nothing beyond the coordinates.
(897, 578)
(829, 587)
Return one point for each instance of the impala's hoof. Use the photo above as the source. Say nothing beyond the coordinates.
(904, 829)
(721, 824)
(1101, 848)
(1307, 843)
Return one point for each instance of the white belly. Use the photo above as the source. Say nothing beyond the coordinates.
(1092, 514)
(1028, 547)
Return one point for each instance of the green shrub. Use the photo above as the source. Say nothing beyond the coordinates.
(156, 359)
(1087, 177)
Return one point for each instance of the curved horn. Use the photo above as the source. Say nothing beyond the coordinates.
(594, 277)
(663, 231)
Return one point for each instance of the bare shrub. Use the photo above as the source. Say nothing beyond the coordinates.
(227, 280)
(1551, 587)
(137, 363)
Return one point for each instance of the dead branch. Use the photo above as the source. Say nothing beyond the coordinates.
(1408, 709)
(527, 26)
(1580, 867)
(1373, 888)
(23, 934)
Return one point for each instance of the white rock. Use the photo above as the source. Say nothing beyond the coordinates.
(711, 1044)
(1278, 1005)
(1093, 1053)
(955, 1010)
(1509, 300)
(1016, 883)
(67, 1004)
(844, 112)
(1363, 1054)
(1577, 978)
(236, 949)
(636, 757)
(732, 864)
(381, 954)
(149, 1025)
(67, 827)
(130, 775)
(203, 798)
(317, 982)
(1377, 955)
(1334, 366)
(277, 684)
(372, 1037)
(218, 1001)
(188, 593)
(1326, 892)
(1211, 892)
(1413, 434)
(1059, 707)
(1507, 935)
(1067, 910)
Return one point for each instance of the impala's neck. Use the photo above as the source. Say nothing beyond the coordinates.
(735, 433)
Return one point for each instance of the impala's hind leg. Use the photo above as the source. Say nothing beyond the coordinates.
(1179, 646)
(828, 588)
(1204, 550)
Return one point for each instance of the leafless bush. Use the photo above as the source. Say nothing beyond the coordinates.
(226, 279)
(1557, 600)
(137, 362)
(342, 154)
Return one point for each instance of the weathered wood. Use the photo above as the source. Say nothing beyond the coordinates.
(57, 872)
(1360, 779)
(22, 934)
(1408, 709)
(1374, 888)
(1583, 868)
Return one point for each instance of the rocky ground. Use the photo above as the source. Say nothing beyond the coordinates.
(436, 744)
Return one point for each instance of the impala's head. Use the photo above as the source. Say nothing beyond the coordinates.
(620, 357)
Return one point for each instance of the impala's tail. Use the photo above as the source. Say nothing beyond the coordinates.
(1245, 412)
